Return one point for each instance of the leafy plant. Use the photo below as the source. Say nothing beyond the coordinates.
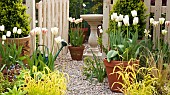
(13, 14)
(125, 7)
(94, 68)
(14, 91)
(11, 55)
(44, 82)
(131, 85)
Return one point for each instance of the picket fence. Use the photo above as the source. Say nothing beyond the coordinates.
(51, 13)
(157, 9)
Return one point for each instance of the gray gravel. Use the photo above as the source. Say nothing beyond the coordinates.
(78, 85)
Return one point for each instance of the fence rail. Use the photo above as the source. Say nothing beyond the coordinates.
(51, 13)
(157, 9)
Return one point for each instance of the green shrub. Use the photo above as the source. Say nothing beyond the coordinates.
(125, 7)
(13, 14)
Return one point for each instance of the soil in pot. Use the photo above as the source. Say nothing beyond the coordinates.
(115, 77)
(76, 52)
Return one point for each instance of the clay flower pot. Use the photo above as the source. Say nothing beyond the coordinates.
(114, 77)
(76, 52)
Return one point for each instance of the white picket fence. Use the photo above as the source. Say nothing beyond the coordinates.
(51, 13)
(158, 9)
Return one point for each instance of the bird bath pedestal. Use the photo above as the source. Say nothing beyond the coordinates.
(93, 20)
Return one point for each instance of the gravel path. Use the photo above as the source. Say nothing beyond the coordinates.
(78, 85)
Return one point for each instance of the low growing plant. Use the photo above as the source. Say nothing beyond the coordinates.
(94, 68)
(44, 82)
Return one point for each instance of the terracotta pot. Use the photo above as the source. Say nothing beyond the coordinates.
(114, 77)
(76, 52)
(25, 42)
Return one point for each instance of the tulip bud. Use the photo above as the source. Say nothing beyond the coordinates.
(38, 30)
(135, 20)
(134, 13)
(119, 24)
(155, 23)
(114, 16)
(15, 30)
(151, 20)
(2, 28)
(167, 23)
(54, 30)
(3, 42)
(3, 37)
(161, 20)
(8, 33)
(101, 30)
(19, 31)
(164, 32)
(44, 31)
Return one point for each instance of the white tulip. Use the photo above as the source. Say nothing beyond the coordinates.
(2, 28)
(127, 17)
(147, 33)
(3, 42)
(33, 32)
(151, 20)
(44, 31)
(100, 27)
(126, 21)
(19, 31)
(120, 17)
(8, 33)
(3, 37)
(161, 20)
(38, 30)
(58, 39)
(155, 23)
(54, 30)
(81, 19)
(119, 24)
(164, 32)
(134, 13)
(117, 19)
(114, 16)
(135, 20)
(70, 19)
(77, 21)
(84, 5)
(101, 30)
(15, 30)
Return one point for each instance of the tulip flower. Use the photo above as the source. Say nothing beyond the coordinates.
(101, 30)
(134, 13)
(15, 30)
(84, 5)
(33, 32)
(3, 42)
(58, 39)
(114, 16)
(70, 19)
(2, 28)
(8, 33)
(38, 30)
(151, 20)
(155, 23)
(19, 31)
(135, 20)
(3, 37)
(44, 31)
(54, 30)
(126, 21)
(120, 17)
(119, 24)
(147, 33)
(100, 27)
(161, 20)
(164, 32)
(167, 23)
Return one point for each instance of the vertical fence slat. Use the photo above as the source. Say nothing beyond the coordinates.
(168, 19)
(158, 4)
(148, 5)
(52, 13)
(60, 16)
(40, 20)
(49, 24)
(56, 13)
(106, 11)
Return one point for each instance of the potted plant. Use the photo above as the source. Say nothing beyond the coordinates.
(123, 48)
(76, 39)
(15, 22)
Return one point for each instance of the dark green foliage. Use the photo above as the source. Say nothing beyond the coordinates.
(13, 14)
(125, 7)
(76, 38)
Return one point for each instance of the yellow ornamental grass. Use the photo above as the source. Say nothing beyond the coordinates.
(46, 82)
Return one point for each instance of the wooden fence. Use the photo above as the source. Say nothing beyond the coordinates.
(158, 9)
(51, 13)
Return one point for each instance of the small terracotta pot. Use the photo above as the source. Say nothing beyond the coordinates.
(114, 77)
(76, 52)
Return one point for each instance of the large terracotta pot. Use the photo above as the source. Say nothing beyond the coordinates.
(76, 52)
(114, 77)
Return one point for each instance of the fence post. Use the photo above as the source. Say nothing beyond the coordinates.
(106, 11)
(31, 11)
(148, 5)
